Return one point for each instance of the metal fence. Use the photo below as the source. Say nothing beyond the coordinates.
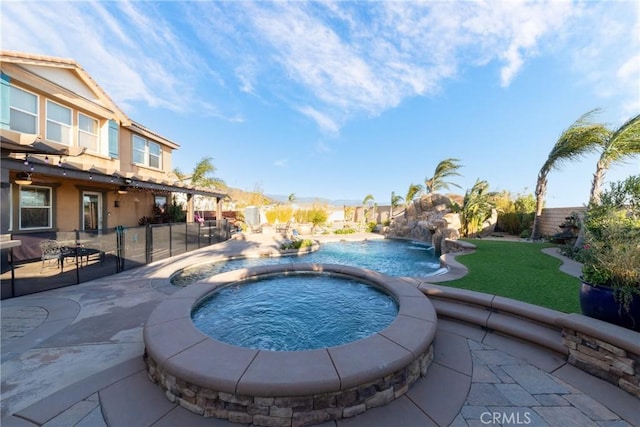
(68, 258)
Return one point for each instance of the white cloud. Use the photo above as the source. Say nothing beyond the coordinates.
(337, 59)
(281, 163)
(324, 121)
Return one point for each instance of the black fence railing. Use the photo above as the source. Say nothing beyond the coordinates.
(56, 259)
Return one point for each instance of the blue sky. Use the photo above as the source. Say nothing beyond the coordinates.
(344, 99)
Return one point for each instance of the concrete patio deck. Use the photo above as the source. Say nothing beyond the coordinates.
(73, 357)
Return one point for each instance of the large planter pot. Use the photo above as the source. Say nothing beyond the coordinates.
(599, 302)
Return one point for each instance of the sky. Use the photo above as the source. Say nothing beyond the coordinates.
(344, 99)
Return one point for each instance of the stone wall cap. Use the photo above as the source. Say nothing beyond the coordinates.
(616, 335)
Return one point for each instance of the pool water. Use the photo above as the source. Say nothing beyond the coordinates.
(295, 312)
(390, 257)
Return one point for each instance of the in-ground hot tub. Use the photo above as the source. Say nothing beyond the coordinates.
(266, 387)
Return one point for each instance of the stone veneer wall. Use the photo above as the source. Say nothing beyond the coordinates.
(604, 360)
(289, 411)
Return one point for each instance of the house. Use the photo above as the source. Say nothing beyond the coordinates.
(71, 159)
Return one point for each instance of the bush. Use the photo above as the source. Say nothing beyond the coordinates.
(345, 231)
(296, 244)
(280, 213)
(516, 223)
(371, 226)
(316, 215)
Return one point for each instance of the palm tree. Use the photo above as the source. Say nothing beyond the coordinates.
(580, 138)
(368, 199)
(476, 207)
(201, 174)
(619, 144)
(444, 169)
(395, 202)
(412, 191)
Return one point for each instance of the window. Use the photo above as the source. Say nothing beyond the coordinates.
(113, 139)
(35, 207)
(146, 153)
(23, 111)
(161, 203)
(58, 123)
(139, 149)
(87, 132)
(154, 155)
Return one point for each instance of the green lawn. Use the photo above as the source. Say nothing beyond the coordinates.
(519, 270)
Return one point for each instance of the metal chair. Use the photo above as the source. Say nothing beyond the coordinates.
(50, 251)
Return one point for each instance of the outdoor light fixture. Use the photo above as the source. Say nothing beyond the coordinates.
(123, 190)
(23, 178)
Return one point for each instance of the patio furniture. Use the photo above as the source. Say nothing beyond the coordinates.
(50, 251)
(83, 254)
(255, 228)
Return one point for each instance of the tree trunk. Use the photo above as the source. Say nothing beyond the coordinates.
(598, 178)
(541, 189)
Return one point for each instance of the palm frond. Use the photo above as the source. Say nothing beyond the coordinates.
(624, 142)
(446, 168)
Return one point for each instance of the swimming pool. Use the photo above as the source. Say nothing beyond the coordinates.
(397, 258)
(215, 379)
(295, 312)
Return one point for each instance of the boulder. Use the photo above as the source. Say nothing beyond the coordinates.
(453, 220)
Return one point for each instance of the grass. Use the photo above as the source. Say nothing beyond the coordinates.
(519, 270)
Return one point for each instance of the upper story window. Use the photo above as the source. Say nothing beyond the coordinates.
(35, 207)
(147, 153)
(58, 123)
(23, 111)
(88, 132)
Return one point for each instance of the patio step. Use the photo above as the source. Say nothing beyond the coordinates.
(528, 322)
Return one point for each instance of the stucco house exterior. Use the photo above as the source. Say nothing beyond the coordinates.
(71, 158)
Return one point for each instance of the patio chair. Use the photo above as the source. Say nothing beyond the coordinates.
(50, 251)
(255, 228)
(283, 228)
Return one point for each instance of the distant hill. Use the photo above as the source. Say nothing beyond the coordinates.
(311, 200)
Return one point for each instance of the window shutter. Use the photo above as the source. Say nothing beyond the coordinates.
(113, 138)
(4, 101)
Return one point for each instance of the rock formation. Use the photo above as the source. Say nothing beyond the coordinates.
(429, 219)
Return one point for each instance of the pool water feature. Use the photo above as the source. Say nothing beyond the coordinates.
(391, 257)
(295, 312)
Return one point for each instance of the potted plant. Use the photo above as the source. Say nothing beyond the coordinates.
(610, 288)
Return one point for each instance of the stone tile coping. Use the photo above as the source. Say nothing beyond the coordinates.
(525, 321)
(624, 338)
(175, 344)
(530, 322)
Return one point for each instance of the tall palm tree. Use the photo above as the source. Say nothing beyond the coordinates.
(444, 169)
(580, 138)
(395, 202)
(413, 190)
(202, 174)
(368, 199)
(618, 145)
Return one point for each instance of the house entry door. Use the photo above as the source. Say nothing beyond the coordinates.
(92, 211)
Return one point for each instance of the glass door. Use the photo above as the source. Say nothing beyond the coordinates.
(92, 211)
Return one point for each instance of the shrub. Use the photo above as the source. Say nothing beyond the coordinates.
(280, 213)
(296, 244)
(317, 215)
(612, 241)
(371, 226)
(345, 231)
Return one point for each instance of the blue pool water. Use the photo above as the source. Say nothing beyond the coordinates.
(391, 257)
(295, 312)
